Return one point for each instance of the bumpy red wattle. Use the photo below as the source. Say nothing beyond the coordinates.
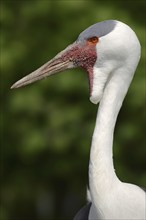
(83, 56)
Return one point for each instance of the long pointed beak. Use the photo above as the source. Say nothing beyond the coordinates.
(60, 62)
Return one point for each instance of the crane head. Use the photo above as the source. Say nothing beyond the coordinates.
(94, 51)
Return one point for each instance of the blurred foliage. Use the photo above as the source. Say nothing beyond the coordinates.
(46, 128)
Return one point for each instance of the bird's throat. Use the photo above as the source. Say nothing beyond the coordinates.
(102, 175)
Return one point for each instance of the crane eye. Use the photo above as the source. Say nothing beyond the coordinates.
(93, 40)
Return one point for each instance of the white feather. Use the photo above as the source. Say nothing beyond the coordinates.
(118, 54)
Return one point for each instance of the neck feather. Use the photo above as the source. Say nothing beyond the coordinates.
(101, 169)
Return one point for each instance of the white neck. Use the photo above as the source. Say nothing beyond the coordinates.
(102, 176)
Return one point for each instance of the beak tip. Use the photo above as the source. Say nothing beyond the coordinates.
(14, 86)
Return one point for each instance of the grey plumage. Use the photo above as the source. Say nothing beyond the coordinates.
(98, 30)
(83, 213)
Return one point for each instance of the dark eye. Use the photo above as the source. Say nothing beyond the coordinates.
(93, 40)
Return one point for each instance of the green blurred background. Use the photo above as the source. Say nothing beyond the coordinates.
(46, 128)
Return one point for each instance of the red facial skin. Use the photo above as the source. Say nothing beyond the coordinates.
(84, 56)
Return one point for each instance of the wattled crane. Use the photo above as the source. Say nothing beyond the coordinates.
(109, 52)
